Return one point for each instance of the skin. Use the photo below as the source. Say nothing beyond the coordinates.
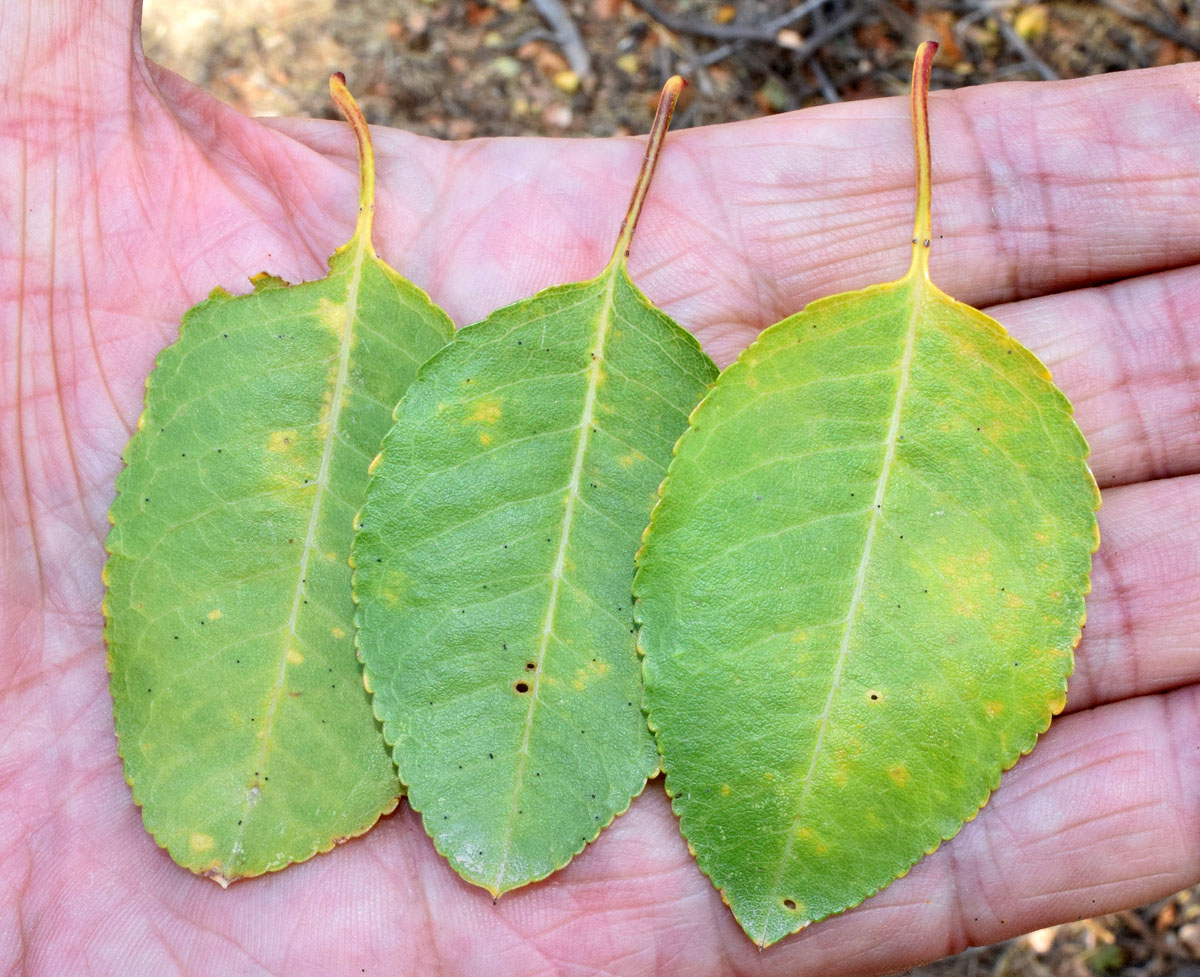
(128, 194)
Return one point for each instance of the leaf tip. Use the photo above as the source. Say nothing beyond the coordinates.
(219, 877)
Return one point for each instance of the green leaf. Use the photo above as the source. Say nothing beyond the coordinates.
(494, 560)
(861, 589)
(245, 730)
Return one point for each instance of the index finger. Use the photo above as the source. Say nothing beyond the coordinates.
(1037, 187)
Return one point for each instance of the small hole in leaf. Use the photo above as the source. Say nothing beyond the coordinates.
(530, 666)
(789, 905)
(522, 687)
(874, 696)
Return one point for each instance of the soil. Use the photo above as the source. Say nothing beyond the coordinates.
(494, 67)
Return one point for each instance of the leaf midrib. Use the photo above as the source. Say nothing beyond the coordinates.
(587, 415)
(916, 294)
(321, 483)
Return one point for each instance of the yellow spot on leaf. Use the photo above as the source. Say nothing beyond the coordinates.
(332, 316)
(198, 841)
(279, 441)
(214, 614)
(1014, 600)
(338, 633)
(485, 438)
(965, 607)
(899, 774)
(294, 657)
(486, 411)
(993, 709)
(631, 459)
(726, 789)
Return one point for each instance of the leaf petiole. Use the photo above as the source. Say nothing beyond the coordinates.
(919, 97)
(366, 160)
(658, 132)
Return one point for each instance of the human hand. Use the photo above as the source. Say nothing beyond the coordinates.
(128, 195)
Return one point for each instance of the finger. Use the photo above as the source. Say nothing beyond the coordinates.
(1103, 815)
(1037, 188)
(1125, 353)
(1143, 619)
(1128, 356)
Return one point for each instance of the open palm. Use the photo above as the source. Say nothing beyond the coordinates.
(126, 195)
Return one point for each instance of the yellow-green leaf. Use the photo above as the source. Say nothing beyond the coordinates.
(244, 727)
(494, 561)
(861, 589)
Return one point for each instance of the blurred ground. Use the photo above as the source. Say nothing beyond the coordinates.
(519, 67)
(498, 67)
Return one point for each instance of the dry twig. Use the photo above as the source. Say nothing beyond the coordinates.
(1167, 27)
(765, 32)
(566, 35)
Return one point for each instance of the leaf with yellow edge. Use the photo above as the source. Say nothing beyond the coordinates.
(494, 561)
(861, 588)
(244, 727)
